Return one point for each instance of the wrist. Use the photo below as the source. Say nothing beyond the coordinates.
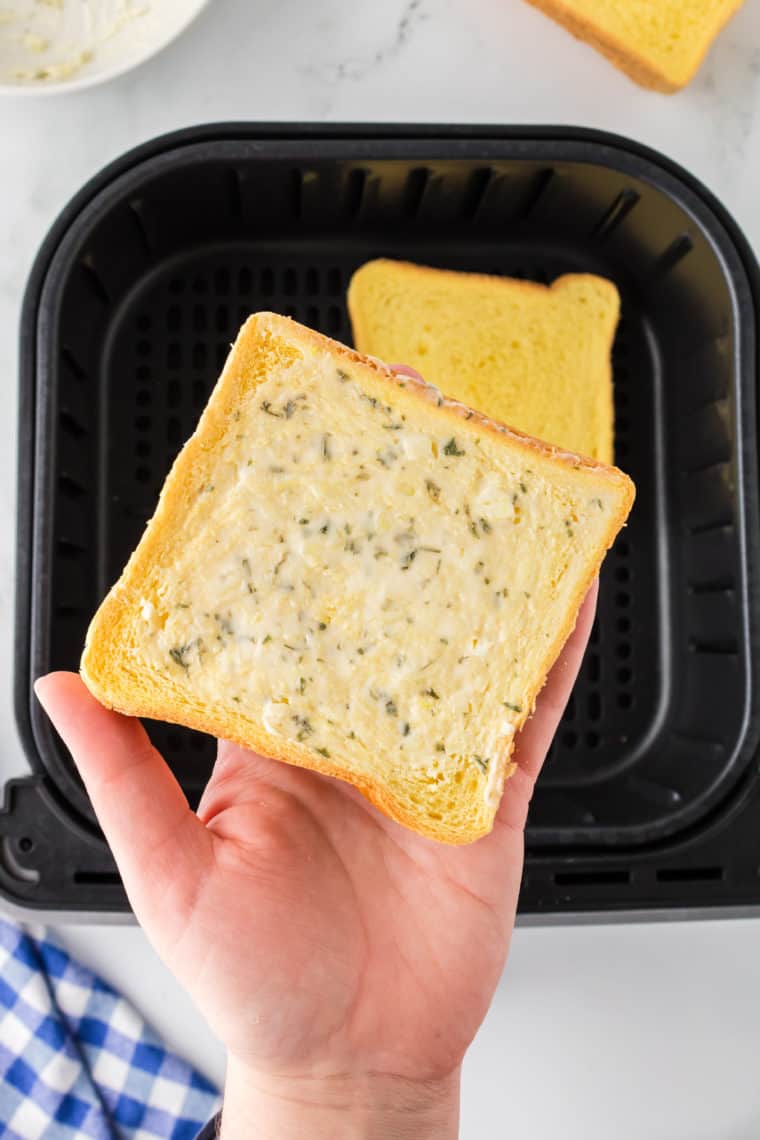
(344, 1107)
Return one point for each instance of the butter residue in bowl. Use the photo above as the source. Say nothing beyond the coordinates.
(55, 72)
(35, 43)
(62, 35)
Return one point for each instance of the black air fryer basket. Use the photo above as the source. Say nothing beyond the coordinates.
(649, 801)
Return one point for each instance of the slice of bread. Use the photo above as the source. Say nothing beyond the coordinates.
(534, 356)
(349, 573)
(658, 43)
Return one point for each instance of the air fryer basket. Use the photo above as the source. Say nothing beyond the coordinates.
(129, 315)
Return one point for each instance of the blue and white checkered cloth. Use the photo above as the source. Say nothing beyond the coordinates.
(77, 1060)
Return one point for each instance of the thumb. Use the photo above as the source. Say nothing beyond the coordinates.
(159, 844)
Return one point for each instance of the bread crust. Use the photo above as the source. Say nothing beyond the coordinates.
(189, 474)
(637, 67)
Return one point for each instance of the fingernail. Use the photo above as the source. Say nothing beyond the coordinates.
(38, 684)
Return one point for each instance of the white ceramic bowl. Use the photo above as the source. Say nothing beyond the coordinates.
(50, 46)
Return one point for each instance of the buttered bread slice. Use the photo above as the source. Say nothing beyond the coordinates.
(347, 572)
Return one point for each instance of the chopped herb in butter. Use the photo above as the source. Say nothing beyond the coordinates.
(451, 448)
(346, 597)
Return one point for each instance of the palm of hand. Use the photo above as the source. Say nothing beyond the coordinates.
(319, 908)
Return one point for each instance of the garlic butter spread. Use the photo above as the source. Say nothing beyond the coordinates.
(370, 575)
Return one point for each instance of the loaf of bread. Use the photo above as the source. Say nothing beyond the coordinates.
(349, 573)
(534, 356)
(658, 43)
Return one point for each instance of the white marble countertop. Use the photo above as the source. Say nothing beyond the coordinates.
(649, 1030)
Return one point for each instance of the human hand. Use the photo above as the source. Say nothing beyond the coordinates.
(345, 962)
